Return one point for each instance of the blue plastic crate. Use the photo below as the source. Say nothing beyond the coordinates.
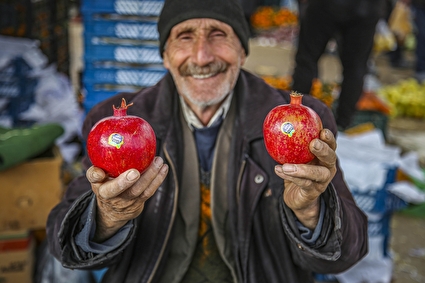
(379, 225)
(141, 54)
(324, 278)
(131, 29)
(95, 93)
(379, 200)
(90, 101)
(378, 205)
(123, 76)
(124, 7)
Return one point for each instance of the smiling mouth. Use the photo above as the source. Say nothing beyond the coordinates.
(203, 76)
(203, 72)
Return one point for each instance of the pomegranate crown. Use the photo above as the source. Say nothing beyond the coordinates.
(296, 97)
(121, 110)
(295, 93)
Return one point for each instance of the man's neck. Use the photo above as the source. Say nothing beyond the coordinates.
(205, 114)
(200, 117)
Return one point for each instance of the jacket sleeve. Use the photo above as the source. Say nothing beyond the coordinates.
(65, 222)
(343, 240)
(84, 238)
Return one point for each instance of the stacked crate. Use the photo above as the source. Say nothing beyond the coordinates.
(121, 47)
(42, 20)
(379, 205)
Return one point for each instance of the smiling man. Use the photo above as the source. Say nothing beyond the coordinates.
(213, 206)
(204, 57)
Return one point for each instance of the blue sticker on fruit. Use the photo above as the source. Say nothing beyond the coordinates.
(116, 140)
(288, 129)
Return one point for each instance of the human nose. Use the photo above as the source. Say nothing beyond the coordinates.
(202, 52)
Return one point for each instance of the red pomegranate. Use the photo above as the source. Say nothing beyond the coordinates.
(120, 142)
(288, 130)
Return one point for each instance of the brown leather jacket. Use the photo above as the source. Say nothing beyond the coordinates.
(264, 236)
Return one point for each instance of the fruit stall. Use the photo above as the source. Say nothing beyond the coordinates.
(275, 25)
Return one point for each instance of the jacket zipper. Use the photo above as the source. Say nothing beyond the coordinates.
(172, 216)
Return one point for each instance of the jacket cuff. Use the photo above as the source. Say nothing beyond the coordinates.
(328, 243)
(84, 238)
(71, 226)
(311, 236)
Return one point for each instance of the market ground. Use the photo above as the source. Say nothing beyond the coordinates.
(407, 242)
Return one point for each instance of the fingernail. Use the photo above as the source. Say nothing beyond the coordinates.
(158, 161)
(164, 169)
(95, 175)
(289, 168)
(326, 132)
(278, 169)
(317, 145)
(132, 175)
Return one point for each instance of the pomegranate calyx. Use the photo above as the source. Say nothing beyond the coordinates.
(121, 110)
(296, 97)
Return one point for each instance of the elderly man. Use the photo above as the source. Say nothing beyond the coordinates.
(213, 206)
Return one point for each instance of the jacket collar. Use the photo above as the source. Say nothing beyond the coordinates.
(254, 100)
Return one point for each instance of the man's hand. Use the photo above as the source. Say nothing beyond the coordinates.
(304, 183)
(122, 199)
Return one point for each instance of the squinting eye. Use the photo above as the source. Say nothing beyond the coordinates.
(217, 33)
(184, 36)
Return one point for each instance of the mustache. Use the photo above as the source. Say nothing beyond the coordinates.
(191, 69)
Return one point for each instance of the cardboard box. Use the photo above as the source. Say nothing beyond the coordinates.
(17, 258)
(29, 191)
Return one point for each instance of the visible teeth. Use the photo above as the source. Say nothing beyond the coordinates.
(202, 76)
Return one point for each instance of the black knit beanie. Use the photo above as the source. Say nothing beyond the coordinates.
(227, 11)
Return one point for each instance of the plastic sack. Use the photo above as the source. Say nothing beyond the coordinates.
(384, 39)
(55, 102)
(373, 268)
(400, 21)
(366, 155)
(28, 49)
